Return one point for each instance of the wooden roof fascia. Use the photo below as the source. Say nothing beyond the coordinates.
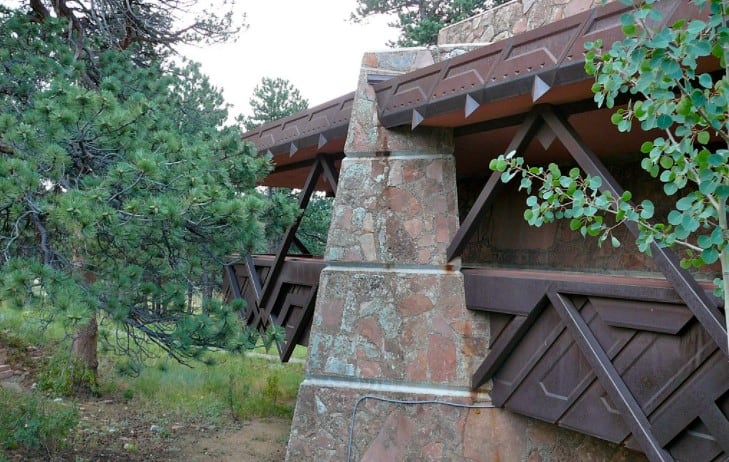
(314, 127)
(530, 63)
(534, 64)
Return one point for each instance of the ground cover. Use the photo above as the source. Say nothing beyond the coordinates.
(228, 408)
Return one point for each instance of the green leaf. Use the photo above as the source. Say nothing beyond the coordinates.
(630, 29)
(647, 209)
(627, 19)
(703, 137)
(499, 164)
(685, 203)
(666, 162)
(670, 188)
(507, 176)
(706, 81)
(717, 236)
(595, 183)
(710, 255)
(695, 26)
(614, 241)
(664, 121)
(675, 217)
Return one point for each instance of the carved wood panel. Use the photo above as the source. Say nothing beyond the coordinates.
(621, 359)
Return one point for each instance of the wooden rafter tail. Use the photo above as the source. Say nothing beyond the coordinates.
(521, 140)
(702, 306)
(609, 378)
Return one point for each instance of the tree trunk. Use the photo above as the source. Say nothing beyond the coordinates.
(83, 346)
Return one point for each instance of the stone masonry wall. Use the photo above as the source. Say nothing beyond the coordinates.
(512, 18)
(391, 340)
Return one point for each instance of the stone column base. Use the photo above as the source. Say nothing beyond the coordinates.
(384, 431)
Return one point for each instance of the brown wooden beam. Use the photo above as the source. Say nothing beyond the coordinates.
(609, 378)
(233, 281)
(304, 198)
(253, 277)
(300, 245)
(507, 341)
(286, 351)
(330, 173)
(703, 307)
(717, 423)
(521, 140)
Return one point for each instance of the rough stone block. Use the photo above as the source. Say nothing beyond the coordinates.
(387, 431)
(5, 372)
(400, 210)
(400, 326)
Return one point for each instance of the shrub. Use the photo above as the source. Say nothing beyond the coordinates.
(66, 376)
(30, 421)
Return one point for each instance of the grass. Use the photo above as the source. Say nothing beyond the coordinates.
(31, 421)
(238, 386)
(224, 386)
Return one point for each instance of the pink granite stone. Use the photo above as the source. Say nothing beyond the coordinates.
(441, 359)
(415, 304)
(369, 329)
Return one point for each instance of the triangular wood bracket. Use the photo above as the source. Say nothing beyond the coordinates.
(330, 172)
(322, 141)
(417, 119)
(471, 105)
(539, 88)
(546, 137)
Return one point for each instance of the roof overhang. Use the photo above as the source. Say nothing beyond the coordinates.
(489, 89)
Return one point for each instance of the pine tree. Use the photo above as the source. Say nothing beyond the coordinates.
(420, 20)
(123, 192)
(273, 99)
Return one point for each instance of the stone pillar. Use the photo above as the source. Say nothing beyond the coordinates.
(390, 317)
(390, 321)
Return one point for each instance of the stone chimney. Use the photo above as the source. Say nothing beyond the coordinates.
(512, 18)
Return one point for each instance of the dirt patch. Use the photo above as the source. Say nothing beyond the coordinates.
(261, 440)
